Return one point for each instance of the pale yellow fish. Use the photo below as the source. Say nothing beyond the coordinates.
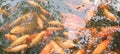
(64, 43)
(11, 37)
(109, 15)
(45, 11)
(37, 39)
(24, 28)
(3, 11)
(18, 41)
(17, 48)
(39, 21)
(21, 19)
(55, 23)
(54, 28)
(34, 4)
(43, 17)
(38, 5)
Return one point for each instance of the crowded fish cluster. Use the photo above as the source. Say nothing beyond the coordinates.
(33, 28)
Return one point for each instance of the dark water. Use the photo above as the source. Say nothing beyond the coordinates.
(17, 8)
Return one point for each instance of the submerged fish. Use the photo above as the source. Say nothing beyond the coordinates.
(3, 11)
(43, 17)
(101, 47)
(17, 48)
(82, 51)
(52, 47)
(55, 23)
(39, 6)
(24, 28)
(21, 19)
(18, 41)
(37, 39)
(109, 15)
(106, 12)
(11, 37)
(39, 21)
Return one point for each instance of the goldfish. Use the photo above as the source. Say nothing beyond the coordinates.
(64, 43)
(17, 48)
(101, 47)
(52, 47)
(106, 12)
(34, 4)
(37, 39)
(54, 28)
(18, 41)
(82, 51)
(39, 21)
(20, 19)
(11, 37)
(109, 15)
(24, 28)
(43, 17)
(3, 11)
(29, 39)
(108, 31)
(39, 6)
(55, 23)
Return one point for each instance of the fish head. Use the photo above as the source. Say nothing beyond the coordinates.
(16, 30)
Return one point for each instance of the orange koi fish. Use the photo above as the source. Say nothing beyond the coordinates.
(3, 11)
(82, 51)
(11, 37)
(101, 47)
(52, 47)
(109, 15)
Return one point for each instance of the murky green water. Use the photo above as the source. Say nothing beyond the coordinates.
(17, 8)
